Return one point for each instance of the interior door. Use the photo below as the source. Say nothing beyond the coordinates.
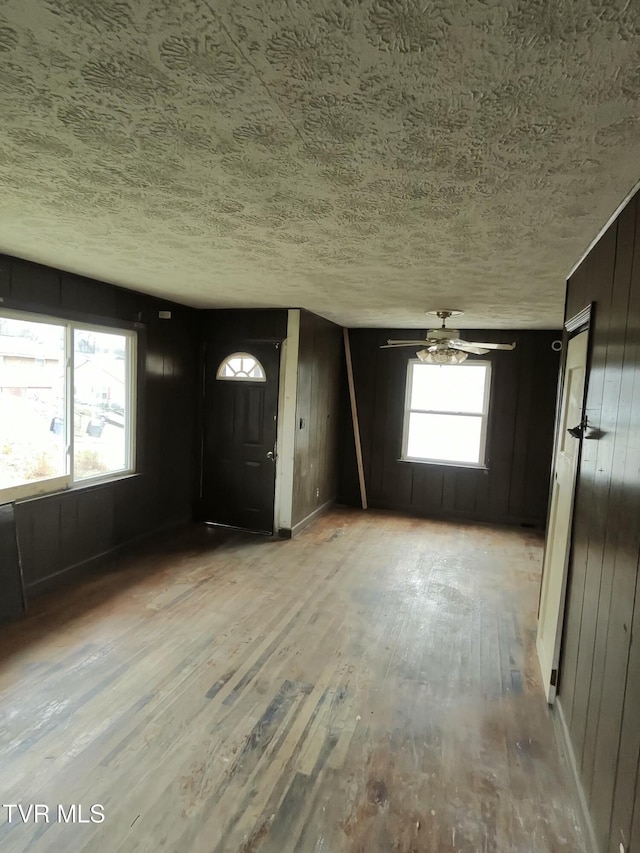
(239, 435)
(557, 546)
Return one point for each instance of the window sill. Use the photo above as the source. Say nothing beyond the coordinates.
(473, 466)
(79, 487)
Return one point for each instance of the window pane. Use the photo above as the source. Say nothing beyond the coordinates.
(241, 366)
(32, 379)
(448, 388)
(100, 402)
(447, 438)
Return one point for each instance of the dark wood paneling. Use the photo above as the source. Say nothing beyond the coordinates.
(600, 666)
(594, 483)
(609, 635)
(595, 283)
(32, 284)
(57, 532)
(514, 489)
(11, 599)
(320, 366)
(88, 296)
(239, 324)
(5, 277)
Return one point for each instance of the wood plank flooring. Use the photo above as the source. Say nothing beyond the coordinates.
(368, 686)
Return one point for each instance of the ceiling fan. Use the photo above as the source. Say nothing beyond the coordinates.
(444, 346)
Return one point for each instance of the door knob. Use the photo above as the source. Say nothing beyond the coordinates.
(270, 455)
(578, 430)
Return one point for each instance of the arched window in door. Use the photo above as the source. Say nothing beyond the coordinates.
(241, 367)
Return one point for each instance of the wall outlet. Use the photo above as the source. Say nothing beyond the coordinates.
(317, 493)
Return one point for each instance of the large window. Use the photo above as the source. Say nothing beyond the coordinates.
(446, 409)
(67, 394)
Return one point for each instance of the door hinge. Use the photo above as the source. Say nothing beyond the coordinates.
(554, 677)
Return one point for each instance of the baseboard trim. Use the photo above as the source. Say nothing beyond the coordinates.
(300, 526)
(290, 532)
(440, 514)
(65, 576)
(563, 730)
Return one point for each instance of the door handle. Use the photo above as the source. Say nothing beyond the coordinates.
(270, 455)
(578, 430)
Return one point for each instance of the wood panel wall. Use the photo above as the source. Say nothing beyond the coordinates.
(515, 487)
(243, 325)
(320, 370)
(11, 598)
(59, 532)
(599, 687)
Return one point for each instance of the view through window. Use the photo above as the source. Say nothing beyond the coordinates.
(100, 368)
(62, 418)
(446, 408)
(32, 392)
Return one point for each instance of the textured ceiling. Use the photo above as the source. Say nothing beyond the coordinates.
(364, 159)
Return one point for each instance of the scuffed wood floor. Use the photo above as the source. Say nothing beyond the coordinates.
(369, 686)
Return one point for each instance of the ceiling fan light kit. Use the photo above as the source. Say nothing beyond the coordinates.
(444, 346)
(446, 355)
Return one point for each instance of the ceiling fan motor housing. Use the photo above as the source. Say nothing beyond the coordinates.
(443, 334)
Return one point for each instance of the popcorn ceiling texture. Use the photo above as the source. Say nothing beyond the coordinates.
(364, 159)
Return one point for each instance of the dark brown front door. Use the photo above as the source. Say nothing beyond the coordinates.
(239, 436)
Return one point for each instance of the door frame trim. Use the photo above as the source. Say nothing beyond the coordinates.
(286, 425)
(580, 322)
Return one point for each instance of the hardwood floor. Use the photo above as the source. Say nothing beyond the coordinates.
(368, 686)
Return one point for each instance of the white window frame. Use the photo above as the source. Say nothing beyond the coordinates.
(484, 415)
(66, 481)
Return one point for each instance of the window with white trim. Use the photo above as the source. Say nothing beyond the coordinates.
(241, 367)
(67, 404)
(446, 413)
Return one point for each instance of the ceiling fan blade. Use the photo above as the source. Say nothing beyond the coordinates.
(483, 345)
(392, 344)
(467, 347)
